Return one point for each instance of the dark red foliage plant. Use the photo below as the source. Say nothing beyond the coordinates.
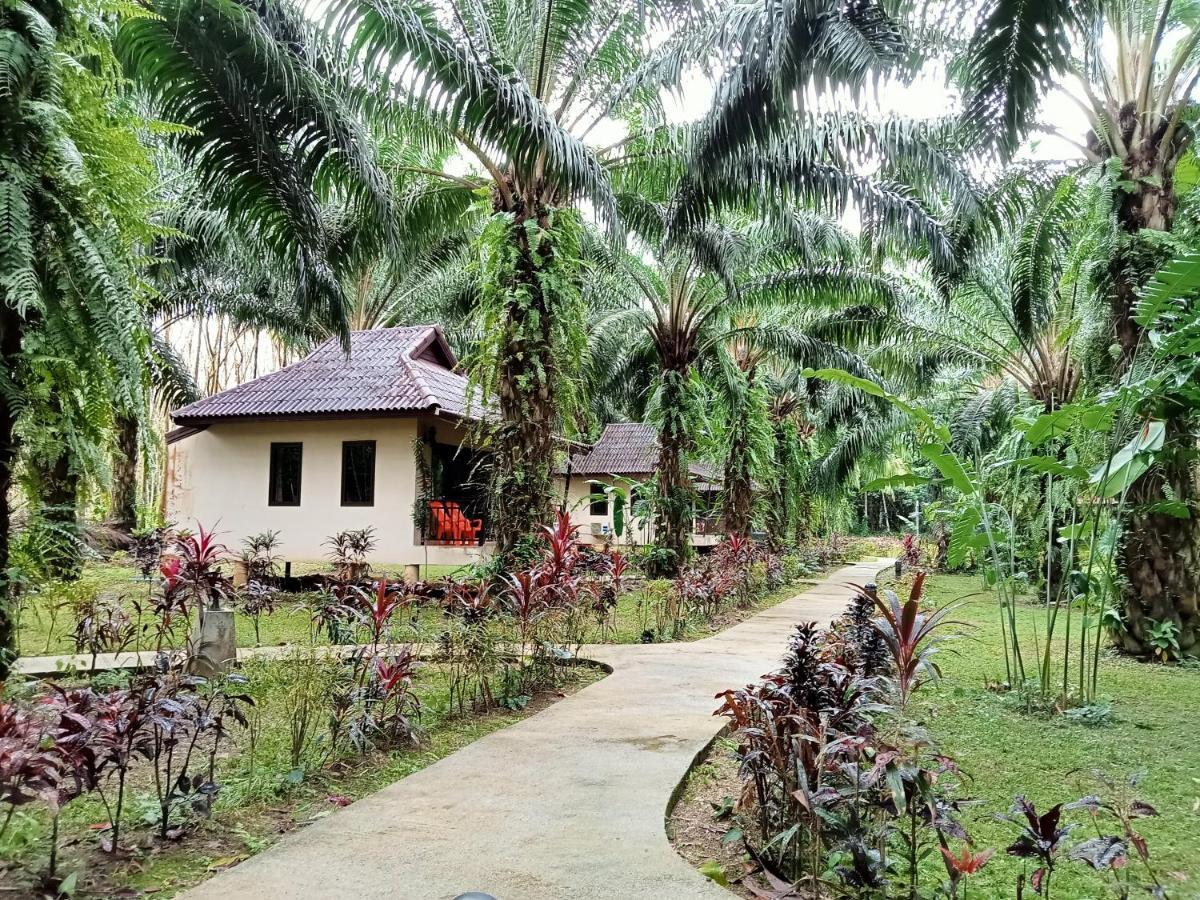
(29, 769)
(910, 635)
(1041, 839)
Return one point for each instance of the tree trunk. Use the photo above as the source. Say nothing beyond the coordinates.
(523, 490)
(58, 488)
(123, 514)
(673, 511)
(739, 489)
(10, 348)
(1160, 555)
(781, 514)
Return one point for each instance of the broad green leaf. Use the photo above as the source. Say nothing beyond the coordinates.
(895, 481)
(950, 467)
(1049, 425)
(1131, 462)
(618, 509)
(1176, 508)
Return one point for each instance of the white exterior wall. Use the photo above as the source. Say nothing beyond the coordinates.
(637, 532)
(579, 505)
(219, 478)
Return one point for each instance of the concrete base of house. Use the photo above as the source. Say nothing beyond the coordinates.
(455, 554)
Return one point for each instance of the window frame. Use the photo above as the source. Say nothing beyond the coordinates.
(592, 503)
(346, 445)
(273, 473)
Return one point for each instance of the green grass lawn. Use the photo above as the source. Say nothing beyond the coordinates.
(1050, 760)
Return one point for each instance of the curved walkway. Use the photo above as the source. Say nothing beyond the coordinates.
(567, 805)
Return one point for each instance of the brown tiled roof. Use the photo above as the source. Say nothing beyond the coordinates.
(388, 371)
(630, 448)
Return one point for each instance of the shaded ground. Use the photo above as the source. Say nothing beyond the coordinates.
(702, 825)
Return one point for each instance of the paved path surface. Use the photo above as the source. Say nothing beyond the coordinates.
(567, 805)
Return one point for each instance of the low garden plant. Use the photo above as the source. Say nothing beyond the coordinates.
(846, 794)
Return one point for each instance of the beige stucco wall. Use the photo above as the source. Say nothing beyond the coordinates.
(219, 478)
(579, 505)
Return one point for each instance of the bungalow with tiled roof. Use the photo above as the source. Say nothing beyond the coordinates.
(625, 457)
(378, 437)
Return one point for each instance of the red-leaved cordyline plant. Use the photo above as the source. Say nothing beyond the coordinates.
(398, 706)
(909, 635)
(526, 598)
(381, 606)
(562, 547)
(473, 601)
(200, 555)
(28, 768)
(618, 566)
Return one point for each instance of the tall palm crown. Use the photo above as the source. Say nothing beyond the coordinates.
(714, 303)
(1029, 307)
(1130, 66)
(518, 88)
(1137, 65)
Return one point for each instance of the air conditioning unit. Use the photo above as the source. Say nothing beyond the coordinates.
(599, 529)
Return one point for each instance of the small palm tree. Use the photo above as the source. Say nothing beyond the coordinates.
(701, 319)
(519, 90)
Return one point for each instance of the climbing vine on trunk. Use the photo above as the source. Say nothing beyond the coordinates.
(528, 361)
(676, 497)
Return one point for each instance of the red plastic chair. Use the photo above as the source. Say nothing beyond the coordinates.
(441, 522)
(466, 531)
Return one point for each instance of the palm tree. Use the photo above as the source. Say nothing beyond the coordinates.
(203, 268)
(1136, 66)
(1026, 309)
(265, 131)
(711, 307)
(520, 89)
(789, 497)
(64, 285)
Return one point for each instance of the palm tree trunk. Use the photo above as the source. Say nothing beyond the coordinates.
(1160, 558)
(123, 512)
(10, 348)
(673, 511)
(59, 498)
(523, 490)
(739, 489)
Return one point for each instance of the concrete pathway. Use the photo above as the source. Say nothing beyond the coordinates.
(567, 805)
